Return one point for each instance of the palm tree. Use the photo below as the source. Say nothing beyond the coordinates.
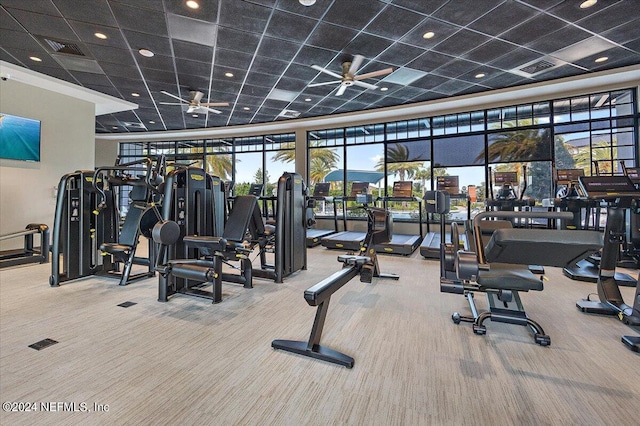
(601, 153)
(220, 165)
(321, 160)
(318, 169)
(287, 154)
(399, 163)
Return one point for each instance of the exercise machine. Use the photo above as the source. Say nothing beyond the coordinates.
(500, 268)
(78, 232)
(507, 196)
(29, 253)
(364, 264)
(430, 247)
(619, 193)
(320, 194)
(346, 240)
(403, 244)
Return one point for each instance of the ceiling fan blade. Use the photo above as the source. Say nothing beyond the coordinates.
(324, 84)
(214, 104)
(169, 103)
(341, 90)
(355, 64)
(326, 71)
(174, 96)
(215, 111)
(363, 84)
(374, 74)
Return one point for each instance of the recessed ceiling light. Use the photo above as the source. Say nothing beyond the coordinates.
(602, 59)
(246, 108)
(146, 53)
(587, 3)
(194, 115)
(192, 4)
(134, 94)
(101, 36)
(307, 2)
(114, 127)
(228, 74)
(428, 35)
(152, 122)
(384, 89)
(480, 75)
(307, 99)
(35, 59)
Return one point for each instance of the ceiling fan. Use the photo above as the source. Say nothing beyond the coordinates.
(349, 75)
(195, 106)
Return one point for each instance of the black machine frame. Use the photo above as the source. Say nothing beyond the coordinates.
(29, 253)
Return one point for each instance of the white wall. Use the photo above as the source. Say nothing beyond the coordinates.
(106, 153)
(67, 144)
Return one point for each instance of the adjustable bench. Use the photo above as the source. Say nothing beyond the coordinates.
(214, 251)
(500, 270)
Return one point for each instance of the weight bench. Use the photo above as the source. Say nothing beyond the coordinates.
(214, 251)
(500, 269)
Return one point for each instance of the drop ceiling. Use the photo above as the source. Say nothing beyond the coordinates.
(256, 55)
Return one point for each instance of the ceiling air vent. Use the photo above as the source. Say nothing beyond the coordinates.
(289, 113)
(64, 47)
(537, 67)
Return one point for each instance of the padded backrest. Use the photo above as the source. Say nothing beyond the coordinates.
(487, 227)
(139, 193)
(239, 217)
(547, 247)
(131, 226)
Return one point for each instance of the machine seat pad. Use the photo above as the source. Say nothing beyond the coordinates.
(206, 244)
(269, 230)
(503, 276)
(115, 248)
(547, 247)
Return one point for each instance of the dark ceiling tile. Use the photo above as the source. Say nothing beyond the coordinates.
(441, 31)
(140, 20)
(542, 4)
(157, 44)
(221, 86)
(157, 62)
(261, 79)
(461, 42)
(515, 58)
(23, 56)
(118, 70)
(489, 51)
(353, 13)
(452, 87)
(91, 79)
(400, 54)
(633, 45)
(502, 18)
(316, 11)
(268, 65)
(242, 41)
(278, 49)
(143, 4)
(243, 15)
(610, 17)
(8, 23)
(194, 82)
(192, 51)
(86, 32)
(559, 72)
(288, 26)
(556, 40)
(255, 91)
(408, 92)
(429, 61)
(428, 96)
(300, 72)
(461, 12)
(208, 10)
(310, 55)
(232, 59)
(249, 101)
(394, 23)
(624, 33)
(455, 68)
(54, 71)
(504, 79)
(127, 85)
(107, 90)
(111, 54)
(41, 6)
(331, 37)
(426, 7)
(616, 54)
(45, 25)
(96, 12)
(17, 40)
(291, 84)
(186, 66)
(429, 81)
(160, 76)
(532, 29)
(368, 45)
(471, 75)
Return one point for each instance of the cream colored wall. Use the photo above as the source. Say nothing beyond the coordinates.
(67, 144)
(106, 153)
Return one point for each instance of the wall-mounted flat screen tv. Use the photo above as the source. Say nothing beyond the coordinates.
(19, 138)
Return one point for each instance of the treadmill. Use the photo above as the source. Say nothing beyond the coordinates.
(403, 244)
(430, 247)
(346, 240)
(314, 235)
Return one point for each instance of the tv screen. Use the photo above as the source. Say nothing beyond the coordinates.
(19, 138)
